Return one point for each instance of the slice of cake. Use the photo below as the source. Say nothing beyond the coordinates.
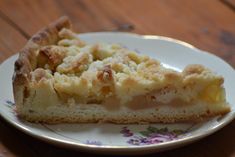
(61, 79)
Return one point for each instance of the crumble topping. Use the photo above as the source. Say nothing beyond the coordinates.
(90, 73)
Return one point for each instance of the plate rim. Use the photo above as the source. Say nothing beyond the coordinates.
(226, 119)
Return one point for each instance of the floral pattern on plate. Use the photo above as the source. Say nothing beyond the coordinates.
(152, 135)
(96, 143)
(10, 103)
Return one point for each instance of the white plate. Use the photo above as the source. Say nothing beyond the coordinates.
(128, 139)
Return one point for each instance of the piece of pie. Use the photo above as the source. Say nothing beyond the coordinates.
(61, 79)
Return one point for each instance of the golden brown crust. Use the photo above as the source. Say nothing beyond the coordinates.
(27, 56)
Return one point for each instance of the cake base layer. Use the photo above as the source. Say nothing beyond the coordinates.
(93, 113)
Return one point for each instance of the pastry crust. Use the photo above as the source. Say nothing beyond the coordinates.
(107, 84)
(27, 57)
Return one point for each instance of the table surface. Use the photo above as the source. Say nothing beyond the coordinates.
(207, 24)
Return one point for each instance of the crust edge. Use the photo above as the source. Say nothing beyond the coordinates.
(26, 61)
